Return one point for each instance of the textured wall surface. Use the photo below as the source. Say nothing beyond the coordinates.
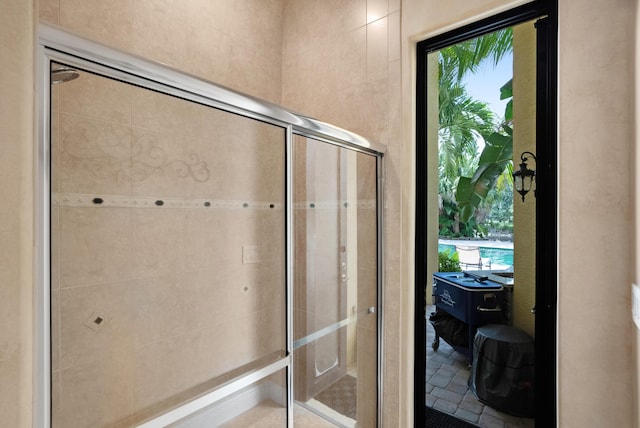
(596, 131)
(341, 64)
(595, 227)
(524, 139)
(233, 43)
(16, 213)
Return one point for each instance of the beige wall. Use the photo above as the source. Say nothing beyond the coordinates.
(636, 250)
(16, 212)
(236, 43)
(342, 65)
(596, 134)
(595, 220)
(524, 139)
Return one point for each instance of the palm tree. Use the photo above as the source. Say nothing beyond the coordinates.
(463, 121)
(465, 57)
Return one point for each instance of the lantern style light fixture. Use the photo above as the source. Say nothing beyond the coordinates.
(524, 178)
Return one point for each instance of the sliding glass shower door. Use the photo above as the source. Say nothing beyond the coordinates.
(168, 253)
(335, 282)
(209, 260)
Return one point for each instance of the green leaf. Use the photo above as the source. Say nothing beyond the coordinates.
(498, 148)
(506, 91)
(508, 111)
(494, 159)
(463, 121)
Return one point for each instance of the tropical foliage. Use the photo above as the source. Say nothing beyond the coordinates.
(448, 261)
(471, 186)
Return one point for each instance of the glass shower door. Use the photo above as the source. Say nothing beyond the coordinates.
(168, 259)
(203, 263)
(335, 283)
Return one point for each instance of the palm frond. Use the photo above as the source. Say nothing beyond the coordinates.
(465, 57)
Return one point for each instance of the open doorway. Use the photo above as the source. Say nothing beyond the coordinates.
(459, 206)
(476, 136)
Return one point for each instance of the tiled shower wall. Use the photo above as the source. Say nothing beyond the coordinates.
(338, 61)
(236, 43)
(342, 65)
(155, 200)
(157, 251)
(335, 271)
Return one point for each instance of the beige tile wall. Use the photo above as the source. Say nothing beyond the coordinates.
(178, 306)
(341, 65)
(164, 32)
(320, 297)
(236, 43)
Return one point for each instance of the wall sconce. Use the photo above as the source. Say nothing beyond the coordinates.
(523, 178)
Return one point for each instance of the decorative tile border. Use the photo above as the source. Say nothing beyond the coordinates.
(364, 204)
(114, 201)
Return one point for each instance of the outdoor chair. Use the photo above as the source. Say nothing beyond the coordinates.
(470, 258)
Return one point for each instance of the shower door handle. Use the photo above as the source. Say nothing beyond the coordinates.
(371, 310)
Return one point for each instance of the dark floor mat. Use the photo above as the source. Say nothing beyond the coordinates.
(436, 419)
(341, 396)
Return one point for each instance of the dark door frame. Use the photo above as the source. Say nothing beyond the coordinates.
(546, 201)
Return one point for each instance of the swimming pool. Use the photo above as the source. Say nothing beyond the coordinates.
(498, 256)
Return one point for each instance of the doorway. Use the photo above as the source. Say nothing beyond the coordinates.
(541, 273)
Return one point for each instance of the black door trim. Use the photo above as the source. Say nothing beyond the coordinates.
(546, 202)
(546, 220)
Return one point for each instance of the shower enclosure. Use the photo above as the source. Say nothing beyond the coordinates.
(207, 259)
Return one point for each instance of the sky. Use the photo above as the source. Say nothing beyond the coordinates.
(485, 84)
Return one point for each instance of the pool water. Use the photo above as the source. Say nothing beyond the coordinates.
(498, 256)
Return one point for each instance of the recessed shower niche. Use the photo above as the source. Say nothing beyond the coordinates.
(214, 260)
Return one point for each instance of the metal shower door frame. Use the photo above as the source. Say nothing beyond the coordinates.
(60, 46)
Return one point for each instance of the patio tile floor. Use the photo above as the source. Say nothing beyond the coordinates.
(447, 390)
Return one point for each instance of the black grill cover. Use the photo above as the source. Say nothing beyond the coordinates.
(502, 372)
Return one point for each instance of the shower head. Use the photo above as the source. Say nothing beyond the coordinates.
(63, 74)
